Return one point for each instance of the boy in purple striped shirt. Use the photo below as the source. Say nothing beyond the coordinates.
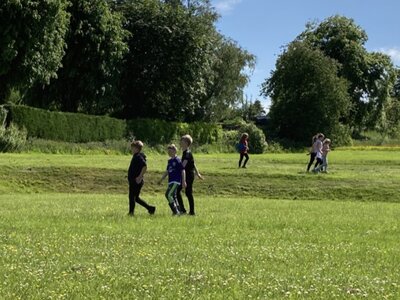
(176, 177)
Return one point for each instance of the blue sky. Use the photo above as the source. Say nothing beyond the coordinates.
(263, 26)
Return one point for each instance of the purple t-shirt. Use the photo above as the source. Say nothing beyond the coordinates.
(174, 169)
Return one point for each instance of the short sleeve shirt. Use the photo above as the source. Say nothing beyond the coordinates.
(174, 169)
(138, 162)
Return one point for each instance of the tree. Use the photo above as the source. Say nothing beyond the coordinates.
(32, 42)
(88, 80)
(341, 39)
(306, 97)
(250, 110)
(225, 80)
(169, 54)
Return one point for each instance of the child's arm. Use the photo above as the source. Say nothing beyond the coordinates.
(141, 175)
(183, 178)
(198, 173)
(163, 176)
(184, 163)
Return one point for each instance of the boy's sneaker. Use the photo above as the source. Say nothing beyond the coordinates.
(152, 210)
(130, 214)
(192, 213)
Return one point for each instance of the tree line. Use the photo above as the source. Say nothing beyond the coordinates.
(125, 58)
(326, 81)
(165, 59)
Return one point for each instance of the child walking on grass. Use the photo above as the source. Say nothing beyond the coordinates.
(190, 171)
(243, 148)
(325, 150)
(176, 177)
(136, 171)
(317, 149)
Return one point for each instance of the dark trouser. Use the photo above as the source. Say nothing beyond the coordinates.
(171, 195)
(134, 192)
(189, 195)
(312, 157)
(319, 162)
(241, 158)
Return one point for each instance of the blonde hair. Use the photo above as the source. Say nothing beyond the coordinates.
(137, 144)
(326, 141)
(187, 138)
(172, 147)
(245, 135)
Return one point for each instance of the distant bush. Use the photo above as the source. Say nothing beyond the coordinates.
(12, 139)
(155, 132)
(69, 127)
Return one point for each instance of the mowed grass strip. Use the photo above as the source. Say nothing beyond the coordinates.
(354, 175)
(83, 246)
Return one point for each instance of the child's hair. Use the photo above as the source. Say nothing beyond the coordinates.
(172, 147)
(321, 135)
(137, 144)
(245, 135)
(327, 141)
(187, 139)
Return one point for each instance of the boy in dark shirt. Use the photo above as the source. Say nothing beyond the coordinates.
(191, 171)
(176, 177)
(136, 171)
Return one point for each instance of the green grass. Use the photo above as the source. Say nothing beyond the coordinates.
(64, 233)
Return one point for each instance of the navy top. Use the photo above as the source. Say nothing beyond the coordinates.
(138, 162)
(174, 169)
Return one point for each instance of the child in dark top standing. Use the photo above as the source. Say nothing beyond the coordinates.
(190, 171)
(176, 177)
(136, 171)
(243, 149)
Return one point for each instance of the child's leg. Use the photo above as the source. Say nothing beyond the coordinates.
(137, 198)
(133, 193)
(240, 160)
(319, 162)
(246, 160)
(312, 158)
(189, 194)
(180, 200)
(171, 197)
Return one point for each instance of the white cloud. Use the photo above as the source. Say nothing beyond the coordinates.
(226, 6)
(394, 53)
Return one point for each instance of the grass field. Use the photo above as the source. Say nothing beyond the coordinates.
(271, 231)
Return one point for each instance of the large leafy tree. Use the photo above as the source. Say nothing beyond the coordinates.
(306, 95)
(31, 42)
(341, 39)
(169, 53)
(88, 80)
(225, 79)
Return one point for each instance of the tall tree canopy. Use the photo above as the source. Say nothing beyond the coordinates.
(225, 80)
(340, 38)
(31, 42)
(178, 66)
(87, 82)
(169, 54)
(306, 94)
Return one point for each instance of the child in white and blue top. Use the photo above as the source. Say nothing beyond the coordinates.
(176, 177)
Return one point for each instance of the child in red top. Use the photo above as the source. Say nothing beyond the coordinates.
(243, 149)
